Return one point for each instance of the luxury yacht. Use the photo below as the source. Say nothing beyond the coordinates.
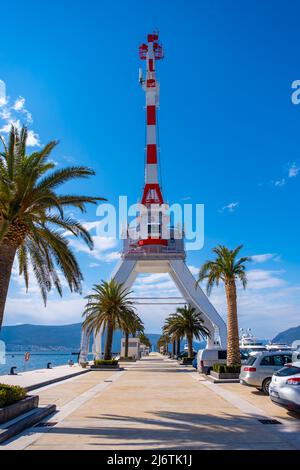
(248, 341)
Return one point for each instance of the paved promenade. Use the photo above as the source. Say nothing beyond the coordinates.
(35, 378)
(157, 404)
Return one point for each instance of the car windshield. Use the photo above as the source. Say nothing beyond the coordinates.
(251, 360)
(244, 354)
(287, 371)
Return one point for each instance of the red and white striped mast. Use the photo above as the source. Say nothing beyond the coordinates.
(152, 195)
(154, 250)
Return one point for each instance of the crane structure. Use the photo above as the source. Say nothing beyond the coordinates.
(154, 246)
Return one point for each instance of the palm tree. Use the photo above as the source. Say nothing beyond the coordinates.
(227, 268)
(108, 307)
(175, 336)
(132, 325)
(144, 340)
(164, 342)
(32, 219)
(186, 322)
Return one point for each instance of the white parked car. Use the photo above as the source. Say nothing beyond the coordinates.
(284, 388)
(206, 358)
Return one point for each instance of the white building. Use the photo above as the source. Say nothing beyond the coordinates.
(133, 347)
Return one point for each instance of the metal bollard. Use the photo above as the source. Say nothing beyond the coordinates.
(49, 365)
(12, 371)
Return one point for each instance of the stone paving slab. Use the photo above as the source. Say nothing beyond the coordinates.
(155, 404)
(259, 399)
(65, 391)
(36, 378)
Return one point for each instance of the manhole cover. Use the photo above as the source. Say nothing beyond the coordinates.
(269, 421)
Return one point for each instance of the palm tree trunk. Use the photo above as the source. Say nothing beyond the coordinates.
(7, 256)
(174, 348)
(233, 349)
(190, 346)
(126, 344)
(178, 346)
(108, 342)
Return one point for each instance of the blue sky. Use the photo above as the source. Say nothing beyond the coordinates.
(228, 131)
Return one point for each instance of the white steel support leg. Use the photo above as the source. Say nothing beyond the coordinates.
(84, 346)
(125, 273)
(97, 344)
(128, 269)
(186, 283)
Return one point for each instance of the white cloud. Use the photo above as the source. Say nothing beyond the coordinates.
(261, 279)
(91, 225)
(103, 247)
(19, 104)
(32, 310)
(152, 278)
(264, 257)
(230, 207)
(293, 170)
(194, 270)
(11, 122)
(280, 183)
(33, 139)
(5, 114)
(112, 256)
(3, 100)
(16, 115)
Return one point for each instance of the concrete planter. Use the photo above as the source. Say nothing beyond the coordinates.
(105, 366)
(217, 375)
(23, 406)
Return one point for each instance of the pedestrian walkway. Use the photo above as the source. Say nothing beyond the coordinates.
(36, 378)
(154, 404)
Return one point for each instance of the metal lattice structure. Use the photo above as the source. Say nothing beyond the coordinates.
(155, 247)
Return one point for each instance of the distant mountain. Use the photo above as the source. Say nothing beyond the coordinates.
(287, 336)
(58, 338)
(52, 338)
(41, 337)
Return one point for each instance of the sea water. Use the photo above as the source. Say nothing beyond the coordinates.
(36, 361)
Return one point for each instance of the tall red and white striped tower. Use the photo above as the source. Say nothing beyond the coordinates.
(152, 195)
(153, 250)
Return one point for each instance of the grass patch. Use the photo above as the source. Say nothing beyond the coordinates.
(224, 369)
(10, 394)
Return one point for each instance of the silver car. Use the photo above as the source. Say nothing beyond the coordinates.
(260, 367)
(285, 387)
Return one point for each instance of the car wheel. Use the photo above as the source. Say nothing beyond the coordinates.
(266, 385)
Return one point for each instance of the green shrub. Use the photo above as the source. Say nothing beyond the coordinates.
(224, 369)
(10, 394)
(102, 362)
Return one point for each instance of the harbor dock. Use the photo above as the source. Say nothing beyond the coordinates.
(157, 404)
